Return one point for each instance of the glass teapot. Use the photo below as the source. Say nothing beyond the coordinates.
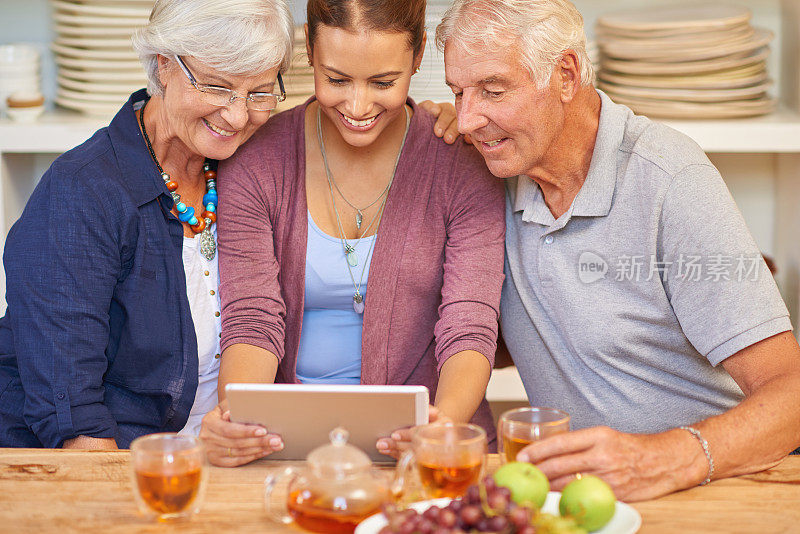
(336, 490)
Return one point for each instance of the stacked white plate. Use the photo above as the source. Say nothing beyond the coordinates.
(20, 70)
(696, 61)
(299, 79)
(97, 67)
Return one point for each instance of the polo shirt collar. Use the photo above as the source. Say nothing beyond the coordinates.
(597, 192)
(140, 176)
(595, 197)
(530, 201)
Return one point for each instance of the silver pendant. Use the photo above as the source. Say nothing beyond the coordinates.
(359, 218)
(358, 303)
(208, 247)
(352, 257)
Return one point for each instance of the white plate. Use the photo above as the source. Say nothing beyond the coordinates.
(105, 65)
(685, 15)
(89, 31)
(111, 99)
(687, 95)
(95, 42)
(101, 22)
(102, 11)
(95, 87)
(740, 77)
(621, 48)
(695, 38)
(671, 33)
(89, 108)
(704, 66)
(83, 53)
(759, 39)
(626, 519)
(134, 76)
(697, 110)
(126, 3)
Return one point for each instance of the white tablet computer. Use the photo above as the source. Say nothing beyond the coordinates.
(304, 414)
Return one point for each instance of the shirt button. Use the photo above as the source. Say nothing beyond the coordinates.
(212, 292)
(548, 240)
(216, 356)
(216, 314)
(60, 396)
(206, 273)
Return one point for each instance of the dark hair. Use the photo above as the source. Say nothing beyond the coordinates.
(403, 16)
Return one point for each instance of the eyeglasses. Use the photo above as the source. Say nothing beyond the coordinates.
(221, 97)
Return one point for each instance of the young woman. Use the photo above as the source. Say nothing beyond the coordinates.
(357, 247)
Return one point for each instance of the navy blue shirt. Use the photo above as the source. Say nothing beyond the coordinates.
(98, 338)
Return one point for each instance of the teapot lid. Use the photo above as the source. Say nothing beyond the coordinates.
(338, 459)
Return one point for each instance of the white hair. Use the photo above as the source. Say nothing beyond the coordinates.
(541, 30)
(237, 37)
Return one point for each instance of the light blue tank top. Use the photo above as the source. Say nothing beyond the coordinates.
(330, 341)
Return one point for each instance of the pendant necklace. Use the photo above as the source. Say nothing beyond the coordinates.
(359, 214)
(350, 250)
(202, 226)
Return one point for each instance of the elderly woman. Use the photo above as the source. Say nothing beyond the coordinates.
(113, 321)
(356, 247)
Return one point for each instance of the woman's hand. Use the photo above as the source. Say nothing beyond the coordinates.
(446, 121)
(400, 440)
(232, 444)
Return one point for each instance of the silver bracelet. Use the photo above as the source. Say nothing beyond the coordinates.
(703, 443)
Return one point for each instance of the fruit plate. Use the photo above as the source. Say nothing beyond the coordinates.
(626, 519)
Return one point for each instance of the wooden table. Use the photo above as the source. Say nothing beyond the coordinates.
(71, 491)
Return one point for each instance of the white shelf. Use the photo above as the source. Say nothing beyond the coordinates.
(779, 132)
(55, 131)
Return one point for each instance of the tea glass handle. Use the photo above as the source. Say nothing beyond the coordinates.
(405, 464)
(277, 513)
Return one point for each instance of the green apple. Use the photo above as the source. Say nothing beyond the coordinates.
(527, 483)
(589, 500)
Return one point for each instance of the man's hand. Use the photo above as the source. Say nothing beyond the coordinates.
(446, 125)
(636, 466)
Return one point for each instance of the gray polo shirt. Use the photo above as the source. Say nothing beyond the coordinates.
(620, 310)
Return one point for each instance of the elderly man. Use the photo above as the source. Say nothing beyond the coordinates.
(635, 298)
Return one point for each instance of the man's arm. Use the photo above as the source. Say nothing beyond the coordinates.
(754, 435)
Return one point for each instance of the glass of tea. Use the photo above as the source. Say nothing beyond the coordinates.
(168, 475)
(516, 429)
(449, 457)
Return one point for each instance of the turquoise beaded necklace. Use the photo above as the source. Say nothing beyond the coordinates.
(202, 226)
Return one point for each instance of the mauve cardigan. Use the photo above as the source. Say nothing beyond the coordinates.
(437, 267)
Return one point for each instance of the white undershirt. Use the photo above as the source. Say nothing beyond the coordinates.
(202, 288)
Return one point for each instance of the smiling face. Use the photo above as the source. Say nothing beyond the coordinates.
(211, 131)
(512, 123)
(361, 80)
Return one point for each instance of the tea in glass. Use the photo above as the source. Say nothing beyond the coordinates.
(168, 474)
(518, 428)
(448, 481)
(448, 457)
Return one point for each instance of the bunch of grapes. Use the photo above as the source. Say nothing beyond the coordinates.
(485, 507)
